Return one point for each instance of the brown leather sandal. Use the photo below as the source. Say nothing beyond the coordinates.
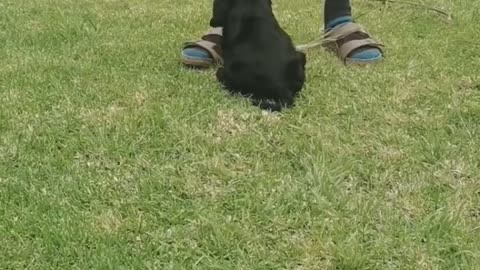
(344, 39)
(210, 42)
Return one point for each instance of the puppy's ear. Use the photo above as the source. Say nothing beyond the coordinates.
(302, 58)
(220, 13)
(295, 71)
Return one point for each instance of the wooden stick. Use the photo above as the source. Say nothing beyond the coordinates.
(416, 4)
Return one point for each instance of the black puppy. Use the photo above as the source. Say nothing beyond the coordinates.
(260, 60)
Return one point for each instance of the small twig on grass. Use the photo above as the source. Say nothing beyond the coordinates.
(449, 16)
(318, 42)
(363, 14)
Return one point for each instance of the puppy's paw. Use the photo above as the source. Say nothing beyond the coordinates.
(272, 105)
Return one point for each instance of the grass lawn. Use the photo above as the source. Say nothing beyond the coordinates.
(115, 156)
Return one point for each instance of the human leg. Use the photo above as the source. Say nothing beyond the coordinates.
(349, 40)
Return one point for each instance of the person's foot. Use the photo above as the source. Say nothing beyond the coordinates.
(205, 52)
(351, 42)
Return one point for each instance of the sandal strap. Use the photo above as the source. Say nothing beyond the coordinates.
(216, 31)
(339, 32)
(211, 43)
(343, 30)
(348, 47)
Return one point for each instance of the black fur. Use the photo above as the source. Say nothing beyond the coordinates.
(260, 60)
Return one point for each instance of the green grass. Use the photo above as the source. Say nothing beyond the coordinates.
(114, 156)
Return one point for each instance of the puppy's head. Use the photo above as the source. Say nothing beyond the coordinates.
(222, 9)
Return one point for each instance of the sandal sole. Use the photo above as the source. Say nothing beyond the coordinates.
(195, 62)
(363, 62)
